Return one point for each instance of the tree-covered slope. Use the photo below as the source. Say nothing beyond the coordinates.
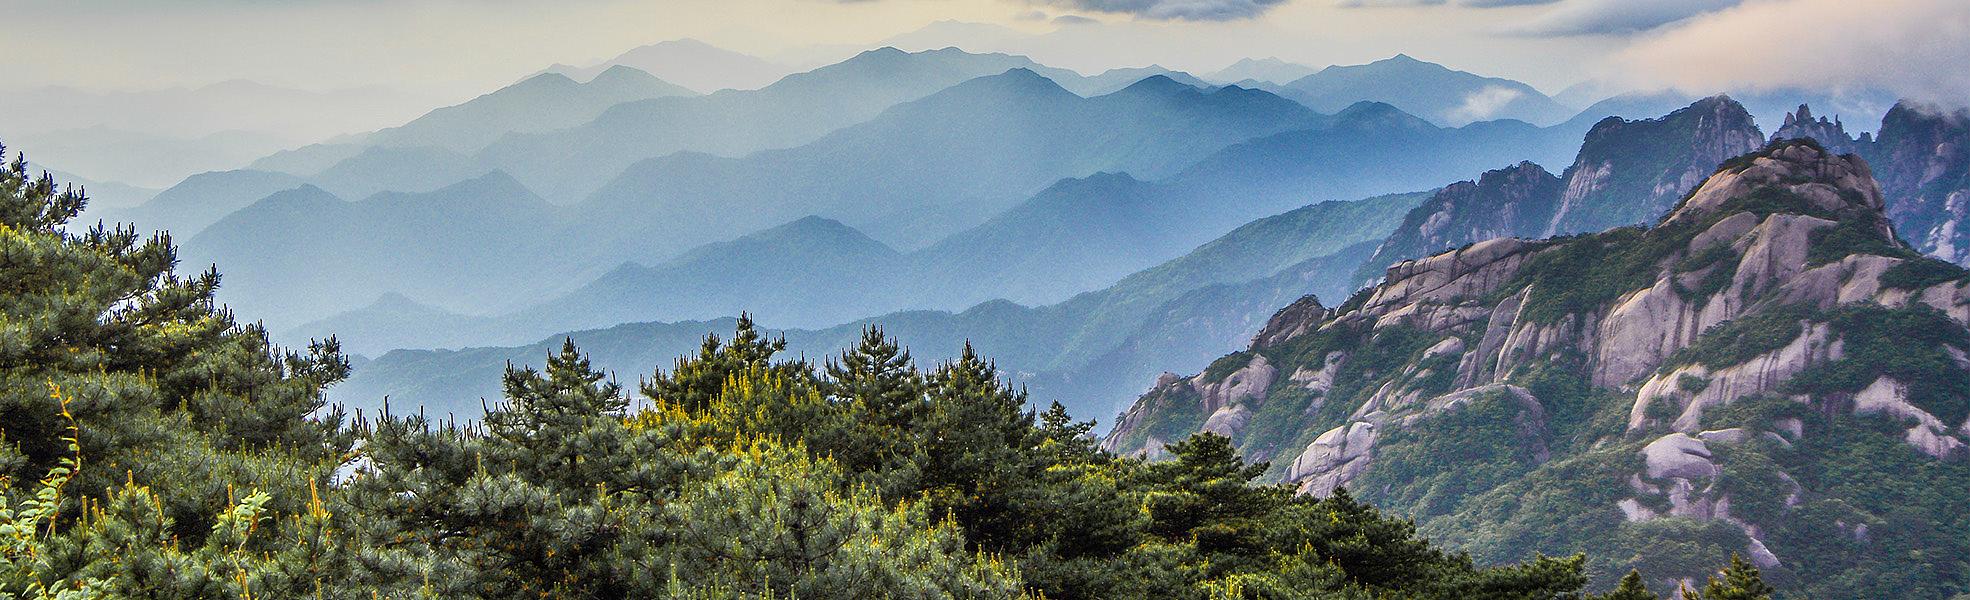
(1767, 371)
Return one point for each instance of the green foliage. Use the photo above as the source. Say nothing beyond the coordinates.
(1733, 342)
(1630, 588)
(1427, 470)
(1850, 237)
(1740, 581)
(1906, 344)
(1587, 272)
(1722, 262)
(1920, 273)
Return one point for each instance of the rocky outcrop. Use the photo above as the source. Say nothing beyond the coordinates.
(1778, 243)
(1831, 134)
(1333, 459)
(1623, 177)
(1511, 202)
(1291, 321)
(1922, 158)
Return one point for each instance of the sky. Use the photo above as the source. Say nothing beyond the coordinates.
(461, 46)
(407, 56)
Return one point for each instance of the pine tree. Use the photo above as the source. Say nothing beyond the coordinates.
(1630, 588)
(1739, 581)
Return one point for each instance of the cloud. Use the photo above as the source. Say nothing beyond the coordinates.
(1387, 3)
(1463, 3)
(1916, 48)
(1482, 104)
(1074, 20)
(1031, 15)
(1175, 10)
(1605, 17)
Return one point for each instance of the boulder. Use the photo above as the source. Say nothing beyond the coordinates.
(1678, 456)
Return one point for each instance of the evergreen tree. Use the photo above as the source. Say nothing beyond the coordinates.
(112, 360)
(1739, 581)
(1630, 588)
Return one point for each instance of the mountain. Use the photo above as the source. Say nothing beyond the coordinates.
(390, 317)
(105, 197)
(307, 160)
(696, 65)
(1624, 174)
(1429, 90)
(1367, 149)
(544, 102)
(928, 168)
(795, 110)
(817, 271)
(1768, 372)
(1064, 240)
(1924, 153)
(1832, 134)
(1922, 157)
(1769, 105)
(201, 200)
(1517, 201)
(915, 173)
(1088, 352)
(409, 169)
(1631, 172)
(1269, 70)
(299, 255)
(1114, 80)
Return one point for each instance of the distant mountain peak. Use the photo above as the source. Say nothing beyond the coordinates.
(1160, 84)
(1369, 113)
(545, 79)
(395, 301)
(815, 228)
(622, 72)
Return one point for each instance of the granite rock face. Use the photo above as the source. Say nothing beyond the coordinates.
(1701, 341)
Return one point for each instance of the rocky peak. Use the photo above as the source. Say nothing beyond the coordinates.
(1631, 172)
(1922, 157)
(1773, 305)
(1516, 201)
(1830, 134)
(1838, 186)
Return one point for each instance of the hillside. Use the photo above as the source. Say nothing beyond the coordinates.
(1768, 371)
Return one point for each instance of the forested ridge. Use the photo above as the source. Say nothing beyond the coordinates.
(153, 445)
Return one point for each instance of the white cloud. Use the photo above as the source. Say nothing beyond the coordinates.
(1175, 10)
(1918, 48)
(1482, 104)
(1602, 17)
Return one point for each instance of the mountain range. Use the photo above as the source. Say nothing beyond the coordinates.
(1749, 376)
(696, 65)
(911, 177)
